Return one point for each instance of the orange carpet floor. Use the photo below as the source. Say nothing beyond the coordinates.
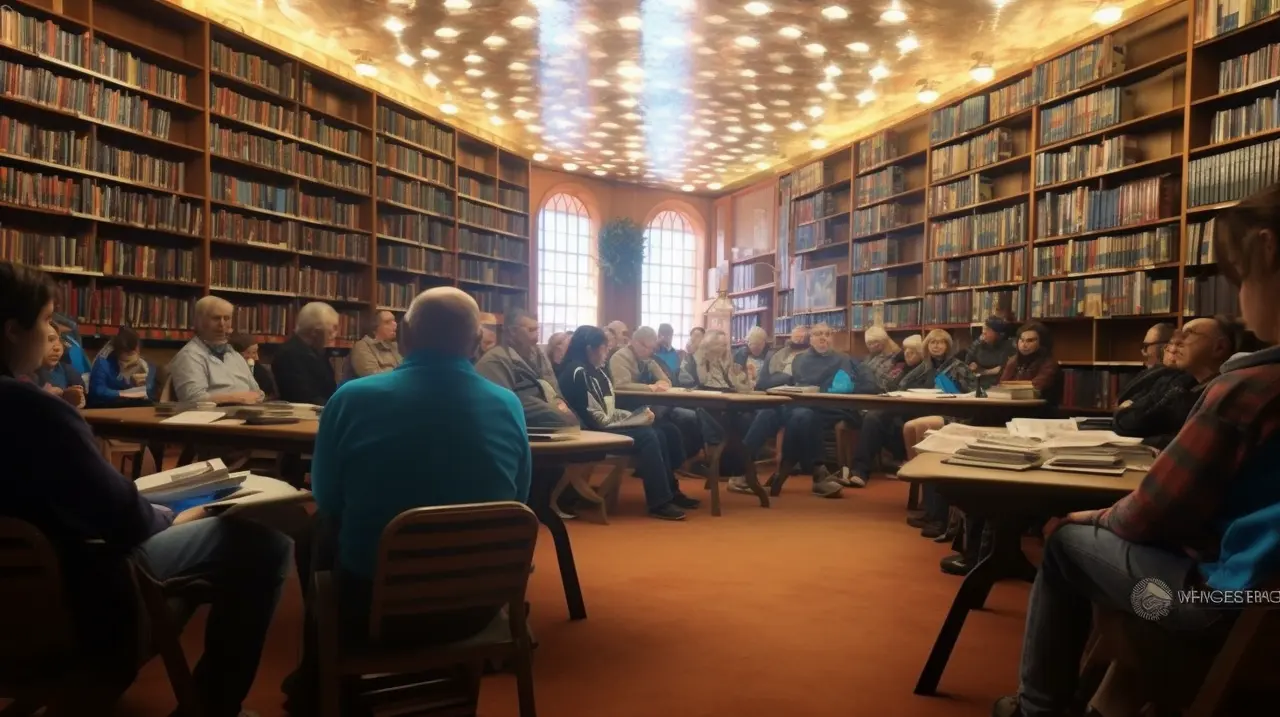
(812, 608)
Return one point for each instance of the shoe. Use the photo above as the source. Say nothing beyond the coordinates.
(956, 564)
(946, 537)
(666, 512)
(827, 489)
(1006, 706)
(856, 481)
(918, 522)
(739, 485)
(933, 531)
(685, 502)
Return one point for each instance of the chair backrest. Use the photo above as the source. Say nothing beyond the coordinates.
(34, 620)
(447, 558)
(165, 383)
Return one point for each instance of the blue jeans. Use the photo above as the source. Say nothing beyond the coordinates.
(245, 564)
(1084, 565)
(880, 429)
(658, 450)
(802, 443)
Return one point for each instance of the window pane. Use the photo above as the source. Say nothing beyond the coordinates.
(567, 295)
(669, 267)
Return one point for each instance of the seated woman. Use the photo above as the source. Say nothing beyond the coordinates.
(688, 377)
(754, 357)
(246, 346)
(556, 346)
(716, 370)
(942, 368)
(883, 429)
(121, 369)
(56, 374)
(1034, 363)
(882, 356)
(658, 449)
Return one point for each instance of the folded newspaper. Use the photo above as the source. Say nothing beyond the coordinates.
(1028, 443)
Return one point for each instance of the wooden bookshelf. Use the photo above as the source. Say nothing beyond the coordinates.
(205, 162)
(1079, 191)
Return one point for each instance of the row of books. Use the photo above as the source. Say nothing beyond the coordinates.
(492, 218)
(974, 112)
(148, 262)
(1249, 69)
(1216, 17)
(962, 193)
(1209, 296)
(231, 226)
(749, 276)
(324, 131)
(837, 319)
(266, 319)
(899, 314)
(78, 150)
(426, 197)
(1261, 115)
(876, 286)
(975, 271)
(1200, 248)
(971, 307)
(880, 218)
(168, 213)
(417, 259)
(494, 301)
(495, 245)
(1086, 160)
(878, 185)
(477, 189)
(1233, 175)
(974, 153)
(1070, 71)
(820, 234)
(1093, 388)
(407, 159)
(481, 163)
(1091, 113)
(1083, 209)
(868, 255)
(89, 98)
(229, 102)
(989, 230)
(277, 77)
(240, 274)
(1127, 251)
(116, 306)
(283, 200)
(492, 272)
(415, 228)
(516, 199)
(419, 131)
(331, 284)
(877, 149)
(740, 326)
(1117, 295)
(48, 250)
(821, 205)
(750, 302)
(810, 178)
(285, 156)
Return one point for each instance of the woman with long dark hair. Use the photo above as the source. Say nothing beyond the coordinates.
(658, 449)
(1034, 362)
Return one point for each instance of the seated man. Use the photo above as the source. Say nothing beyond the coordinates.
(667, 354)
(633, 368)
(377, 351)
(56, 479)
(755, 355)
(206, 368)
(519, 366)
(303, 372)
(1204, 516)
(831, 371)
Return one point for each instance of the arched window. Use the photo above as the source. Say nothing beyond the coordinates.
(566, 266)
(667, 283)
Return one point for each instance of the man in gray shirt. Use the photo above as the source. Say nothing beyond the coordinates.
(207, 368)
(517, 364)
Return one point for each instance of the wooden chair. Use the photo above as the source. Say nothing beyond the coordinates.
(601, 499)
(431, 561)
(40, 663)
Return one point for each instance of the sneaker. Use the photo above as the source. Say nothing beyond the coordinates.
(827, 489)
(1006, 706)
(739, 485)
(956, 564)
(666, 512)
(685, 502)
(946, 537)
(853, 480)
(917, 522)
(933, 530)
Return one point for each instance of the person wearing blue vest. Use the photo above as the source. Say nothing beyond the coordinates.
(120, 369)
(667, 353)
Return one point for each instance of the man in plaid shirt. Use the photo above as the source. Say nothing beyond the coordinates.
(1205, 516)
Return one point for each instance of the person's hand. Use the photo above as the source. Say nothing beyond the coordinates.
(53, 389)
(561, 406)
(250, 397)
(1080, 517)
(73, 395)
(1126, 404)
(190, 515)
(973, 367)
(139, 379)
(751, 371)
(648, 416)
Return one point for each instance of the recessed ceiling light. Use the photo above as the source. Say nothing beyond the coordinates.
(831, 71)
(783, 70)
(446, 32)
(790, 32)
(539, 156)
(430, 53)
(495, 120)
(495, 41)
(686, 188)
(757, 8)
(763, 127)
(818, 143)
(457, 5)
(394, 25)
(861, 47)
(748, 73)
(908, 43)
(517, 67)
(598, 82)
(746, 41)
(796, 126)
(814, 48)
(473, 59)
(1108, 14)
(815, 111)
(879, 72)
(449, 108)
(762, 165)
(610, 125)
(629, 22)
(867, 95)
(599, 172)
(533, 128)
(834, 12)
(717, 19)
(365, 68)
(714, 186)
(406, 59)
(430, 79)
(475, 72)
(826, 86)
(488, 94)
(630, 71)
(569, 166)
(894, 14)
(522, 22)
(523, 114)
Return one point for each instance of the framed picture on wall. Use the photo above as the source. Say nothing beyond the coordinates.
(816, 288)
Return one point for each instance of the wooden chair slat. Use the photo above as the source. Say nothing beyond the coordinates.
(420, 564)
(506, 583)
(468, 537)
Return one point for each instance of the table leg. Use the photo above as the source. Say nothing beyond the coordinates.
(1005, 561)
(713, 476)
(540, 501)
(733, 442)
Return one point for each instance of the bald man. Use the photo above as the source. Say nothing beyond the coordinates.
(207, 368)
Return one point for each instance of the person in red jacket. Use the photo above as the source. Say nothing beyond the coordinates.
(1034, 362)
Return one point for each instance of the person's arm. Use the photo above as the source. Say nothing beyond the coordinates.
(363, 362)
(294, 381)
(1010, 369)
(864, 379)
(496, 370)
(327, 469)
(919, 377)
(524, 470)
(103, 384)
(966, 380)
(191, 382)
(1047, 377)
(152, 389)
(620, 371)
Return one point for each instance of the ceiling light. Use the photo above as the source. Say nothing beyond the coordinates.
(523, 114)
(834, 12)
(1107, 13)
(457, 5)
(815, 111)
(687, 188)
(796, 126)
(783, 70)
(598, 82)
(908, 43)
(714, 186)
(632, 87)
(522, 22)
(449, 108)
(599, 172)
(790, 32)
(475, 72)
(814, 48)
(630, 71)
(763, 127)
(818, 143)
(569, 166)
(629, 22)
(517, 67)
(495, 120)
(867, 95)
(488, 94)
(446, 32)
(394, 25)
(533, 128)
(748, 73)
(982, 71)
(746, 41)
(495, 41)
(859, 47)
(928, 93)
(539, 156)
(831, 71)
(757, 8)
(894, 14)
(364, 66)
(406, 59)
(762, 165)
(518, 100)
(473, 59)
(879, 72)
(826, 86)
(717, 19)
(430, 79)
(430, 53)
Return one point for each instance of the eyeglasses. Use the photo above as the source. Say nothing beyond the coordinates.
(820, 332)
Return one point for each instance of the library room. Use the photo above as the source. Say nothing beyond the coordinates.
(452, 358)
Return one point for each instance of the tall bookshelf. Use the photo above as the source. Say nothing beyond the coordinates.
(1079, 191)
(150, 157)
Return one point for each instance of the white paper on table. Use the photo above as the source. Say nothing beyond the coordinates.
(1042, 428)
(1090, 439)
(928, 395)
(185, 482)
(258, 492)
(196, 417)
(135, 392)
(954, 436)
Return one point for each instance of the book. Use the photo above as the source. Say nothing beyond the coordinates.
(184, 483)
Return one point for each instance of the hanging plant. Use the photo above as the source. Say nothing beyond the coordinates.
(622, 250)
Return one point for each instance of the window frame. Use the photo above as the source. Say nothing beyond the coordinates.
(672, 247)
(570, 244)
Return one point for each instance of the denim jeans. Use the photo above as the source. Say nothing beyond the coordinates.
(880, 430)
(936, 508)
(658, 450)
(802, 444)
(1084, 565)
(245, 564)
(689, 423)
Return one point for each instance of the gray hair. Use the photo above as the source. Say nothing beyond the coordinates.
(645, 334)
(914, 341)
(757, 333)
(209, 304)
(316, 315)
(443, 319)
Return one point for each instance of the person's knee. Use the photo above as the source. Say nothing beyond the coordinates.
(1066, 545)
(257, 550)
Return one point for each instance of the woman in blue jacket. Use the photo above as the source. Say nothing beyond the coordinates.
(121, 369)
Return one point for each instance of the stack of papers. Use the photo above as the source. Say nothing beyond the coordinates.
(929, 393)
(181, 484)
(794, 389)
(1049, 444)
(195, 417)
(135, 392)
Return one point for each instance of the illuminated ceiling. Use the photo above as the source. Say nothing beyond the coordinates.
(691, 94)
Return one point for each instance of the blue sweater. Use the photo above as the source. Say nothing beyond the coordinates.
(432, 432)
(105, 383)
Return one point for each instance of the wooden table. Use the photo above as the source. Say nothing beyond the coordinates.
(1008, 501)
(983, 411)
(142, 425)
(725, 407)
